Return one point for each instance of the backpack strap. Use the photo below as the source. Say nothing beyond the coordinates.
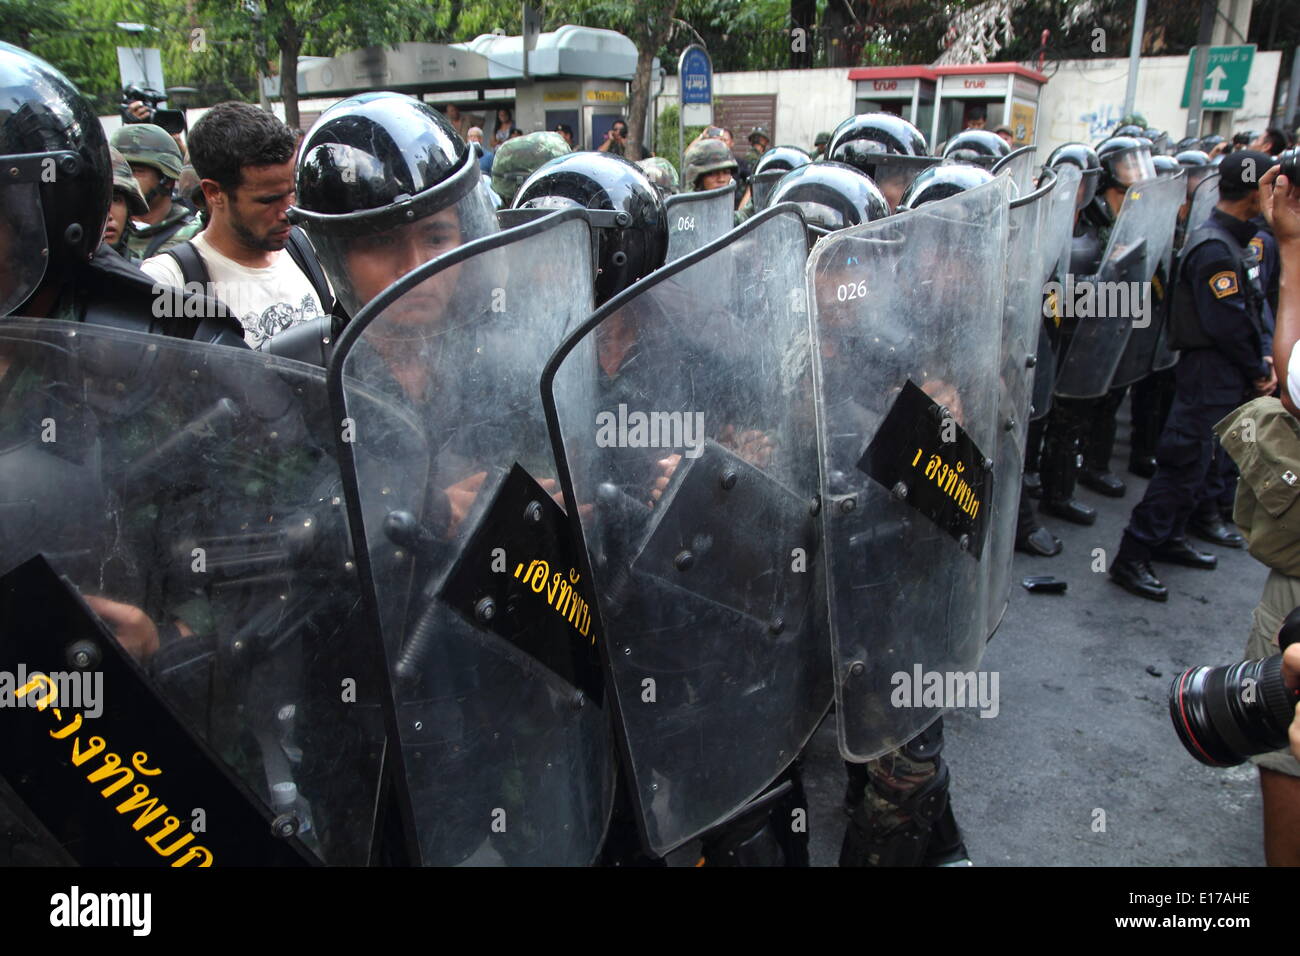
(193, 268)
(304, 257)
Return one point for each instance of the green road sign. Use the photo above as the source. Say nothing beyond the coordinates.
(1225, 77)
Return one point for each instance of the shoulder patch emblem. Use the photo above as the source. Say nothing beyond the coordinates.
(1224, 284)
(1258, 245)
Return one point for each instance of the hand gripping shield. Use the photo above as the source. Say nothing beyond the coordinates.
(485, 612)
(696, 219)
(1146, 343)
(1053, 251)
(197, 485)
(908, 314)
(1103, 309)
(693, 470)
(1026, 276)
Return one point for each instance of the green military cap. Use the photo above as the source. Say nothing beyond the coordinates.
(706, 156)
(124, 182)
(149, 145)
(517, 158)
(822, 139)
(662, 173)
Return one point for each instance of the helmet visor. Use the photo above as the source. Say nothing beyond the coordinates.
(1132, 166)
(1088, 187)
(24, 251)
(373, 252)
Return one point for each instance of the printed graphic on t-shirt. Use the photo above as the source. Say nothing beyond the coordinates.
(277, 318)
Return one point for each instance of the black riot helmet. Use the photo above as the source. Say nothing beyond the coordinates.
(1159, 140)
(771, 166)
(1165, 165)
(859, 136)
(1127, 129)
(1083, 156)
(1197, 164)
(1125, 160)
(631, 225)
(384, 185)
(784, 158)
(940, 182)
(832, 195)
(58, 176)
(979, 147)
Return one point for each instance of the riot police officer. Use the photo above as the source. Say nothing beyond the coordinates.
(46, 125)
(1220, 322)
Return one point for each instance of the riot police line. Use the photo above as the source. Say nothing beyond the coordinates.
(399, 605)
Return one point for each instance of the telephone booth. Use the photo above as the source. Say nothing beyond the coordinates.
(1004, 93)
(906, 91)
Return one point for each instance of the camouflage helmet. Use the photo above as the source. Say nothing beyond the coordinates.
(705, 156)
(516, 159)
(149, 145)
(124, 182)
(662, 173)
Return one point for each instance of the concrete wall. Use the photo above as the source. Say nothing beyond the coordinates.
(1085, 98)
(807, 101)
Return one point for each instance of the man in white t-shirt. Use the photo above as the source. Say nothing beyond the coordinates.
(244, 157)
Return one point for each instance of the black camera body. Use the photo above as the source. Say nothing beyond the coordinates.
(173, 121)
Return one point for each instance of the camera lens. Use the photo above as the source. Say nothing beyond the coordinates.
(1225, 714)
(1290, 162)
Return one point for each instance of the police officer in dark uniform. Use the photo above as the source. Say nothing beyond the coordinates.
(53, 206)
(1219, 321)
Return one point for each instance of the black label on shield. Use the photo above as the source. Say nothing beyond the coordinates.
(519, 578)
(100, 760)
(921, 452)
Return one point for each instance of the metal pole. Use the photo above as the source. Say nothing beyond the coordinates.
(1293, 93)
(1135, 55)
(1197, 91)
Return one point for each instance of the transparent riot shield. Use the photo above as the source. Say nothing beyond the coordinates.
(1145, 342)
(908, 313)
(485, 610)
(1022, 321)
(1019, 165)
(693, 469)
(696, 219)
(760, 187)
(192, 495)
(1058, 226)
(1099, 312)
(1204, 198)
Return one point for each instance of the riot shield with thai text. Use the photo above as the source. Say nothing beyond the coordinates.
(908, 313)
(485, 609)
(191, 495)
(693, 470)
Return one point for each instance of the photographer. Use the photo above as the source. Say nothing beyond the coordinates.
(1263, 437)
(615, 139)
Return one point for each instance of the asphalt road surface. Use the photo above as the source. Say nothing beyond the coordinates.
(1083, 726)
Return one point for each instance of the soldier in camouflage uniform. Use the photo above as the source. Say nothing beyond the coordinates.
(128, 201)
(157, 162)
(662, 174)
(517, 158)
(708, 165)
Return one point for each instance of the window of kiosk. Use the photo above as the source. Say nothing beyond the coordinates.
(897, 107)
(954, 113)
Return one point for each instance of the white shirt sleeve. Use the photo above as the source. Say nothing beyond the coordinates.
(164, 270)
(1293, 374)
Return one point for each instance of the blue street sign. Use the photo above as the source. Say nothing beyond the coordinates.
(695, 71)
